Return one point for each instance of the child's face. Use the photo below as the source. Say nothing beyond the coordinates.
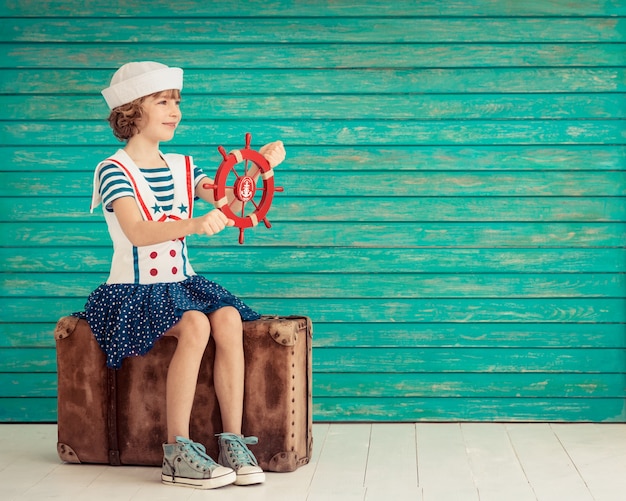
(161, 116)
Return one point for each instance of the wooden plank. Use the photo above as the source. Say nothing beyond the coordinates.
(29, 454)
(323, 8)
(29, 385)
(402, 410)
(31, 334)
(310, 187)
(599, 455)
(28, 410)
(467, 335)
(340, 469)
(343, 132)
(391, 335)
(403, 469)
(318, 30)
(377, 385)
(369, 210)
(82, 160)
(313, 187)
(318, 55)
(589, 310)
(361, 285)
(489, 450)
(431, 208)
(435, 235)
(25, 360)
(233, 258)
(333, 107)
(550, 311)
(522, 409)
(494, 360)
(543, 459)
(417, 384)
(349, 234)
(441, 450)
(402, 360)
(255, 82)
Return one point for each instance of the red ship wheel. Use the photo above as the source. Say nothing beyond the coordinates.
(244, 187)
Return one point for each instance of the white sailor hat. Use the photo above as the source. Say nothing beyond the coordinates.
(138, 79)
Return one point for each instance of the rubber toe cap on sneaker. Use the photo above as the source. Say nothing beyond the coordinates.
(249, 475)
(221, 471)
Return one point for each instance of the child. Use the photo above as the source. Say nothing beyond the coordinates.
(152, 290)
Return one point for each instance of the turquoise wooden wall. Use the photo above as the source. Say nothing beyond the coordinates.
(453, 217)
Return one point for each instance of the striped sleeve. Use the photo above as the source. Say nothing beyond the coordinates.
(198, 175)
(113, 185)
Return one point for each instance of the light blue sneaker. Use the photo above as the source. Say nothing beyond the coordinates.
(234, 453)
(186, 464)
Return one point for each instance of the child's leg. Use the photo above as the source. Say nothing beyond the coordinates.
(228, 377)
(192, 332)
(228, 371)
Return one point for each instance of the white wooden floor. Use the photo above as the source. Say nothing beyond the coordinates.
(365, 462)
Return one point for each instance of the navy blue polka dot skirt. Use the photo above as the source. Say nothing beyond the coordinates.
(127, 319)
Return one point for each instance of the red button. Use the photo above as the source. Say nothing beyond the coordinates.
(153, 255)
(154, 272)
(173, 253)
(174, 270)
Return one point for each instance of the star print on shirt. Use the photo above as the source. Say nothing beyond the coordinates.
(182, 208)
(156, 208)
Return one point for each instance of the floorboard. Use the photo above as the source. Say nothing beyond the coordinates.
(392, 463)
(496, 470)
(599, 453)
(443, 463)
(548, 467)
(360, 462)
(341, 467)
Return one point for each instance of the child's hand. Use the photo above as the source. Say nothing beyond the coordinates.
(213, 222)
(274, 153)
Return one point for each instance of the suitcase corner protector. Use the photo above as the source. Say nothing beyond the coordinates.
(65, 326)
(67, 454)
(284, 462)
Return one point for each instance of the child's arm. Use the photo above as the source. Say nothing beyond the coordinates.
(274, 153)
(142, 233)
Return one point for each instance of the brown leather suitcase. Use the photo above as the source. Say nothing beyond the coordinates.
(118, 417)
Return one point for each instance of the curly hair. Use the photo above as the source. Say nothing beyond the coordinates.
(123, 119)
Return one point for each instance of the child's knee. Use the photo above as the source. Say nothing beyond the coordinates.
(194, 328)
(226, 317)
(226, 324)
